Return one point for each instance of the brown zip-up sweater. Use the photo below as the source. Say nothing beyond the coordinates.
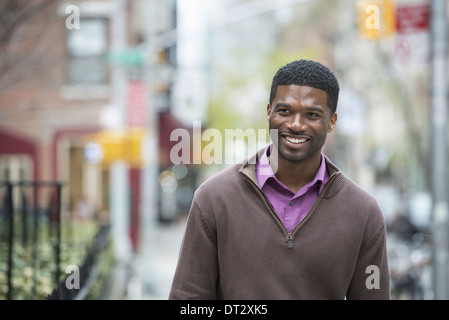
(235, 246)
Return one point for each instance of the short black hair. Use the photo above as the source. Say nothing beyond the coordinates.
(311, 74)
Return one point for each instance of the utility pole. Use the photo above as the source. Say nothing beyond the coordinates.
(150, 155)
(439, 149)
(118, 192)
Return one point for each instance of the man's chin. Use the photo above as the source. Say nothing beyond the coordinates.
(293, 156)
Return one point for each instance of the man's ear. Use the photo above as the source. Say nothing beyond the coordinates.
(268, 111)
(332, 122)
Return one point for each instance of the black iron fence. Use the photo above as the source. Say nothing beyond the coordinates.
(37, 243)
(88, 274)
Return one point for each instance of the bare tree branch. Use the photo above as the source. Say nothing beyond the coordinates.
(13, 13)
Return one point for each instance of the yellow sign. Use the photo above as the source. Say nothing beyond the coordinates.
(120, 145)
(376, 19)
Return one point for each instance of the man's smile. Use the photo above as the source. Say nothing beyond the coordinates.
(294, 141)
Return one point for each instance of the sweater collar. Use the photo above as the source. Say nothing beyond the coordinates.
(248, 168)
(265, 172)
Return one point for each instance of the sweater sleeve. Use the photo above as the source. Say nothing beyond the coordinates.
(371, 279)
(196, 273)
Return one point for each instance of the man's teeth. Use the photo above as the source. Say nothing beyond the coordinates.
(293, 140)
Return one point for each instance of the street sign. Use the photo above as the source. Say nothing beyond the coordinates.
(375, 18)
(412, 18)
(119, 145)
(136, 104)
(126, 57)
(412, 38)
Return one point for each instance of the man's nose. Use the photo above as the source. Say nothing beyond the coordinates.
(296, 123)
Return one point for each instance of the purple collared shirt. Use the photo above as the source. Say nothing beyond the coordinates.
(291, 208)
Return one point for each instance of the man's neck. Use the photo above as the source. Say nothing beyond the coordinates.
(296, 175)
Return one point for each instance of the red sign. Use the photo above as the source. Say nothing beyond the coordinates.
(412, 18)
(136, 104)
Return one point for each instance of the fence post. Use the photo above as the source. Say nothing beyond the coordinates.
(35, 231)
(25, 214)
(58, 230)
(10, 215)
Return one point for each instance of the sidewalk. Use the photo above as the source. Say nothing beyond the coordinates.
(127, 281)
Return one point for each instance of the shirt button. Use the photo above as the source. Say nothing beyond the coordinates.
(291, 203)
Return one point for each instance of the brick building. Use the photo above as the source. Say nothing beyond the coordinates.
(56, 94)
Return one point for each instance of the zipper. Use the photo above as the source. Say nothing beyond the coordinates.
(289, 240)
(290, 234)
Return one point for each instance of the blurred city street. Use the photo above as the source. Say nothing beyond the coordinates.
(127, 280)
(168, 242)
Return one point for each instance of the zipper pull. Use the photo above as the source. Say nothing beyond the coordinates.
(289, 241)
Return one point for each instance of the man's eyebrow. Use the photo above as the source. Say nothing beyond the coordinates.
(282, 105)
(308, 108)
(315, 109)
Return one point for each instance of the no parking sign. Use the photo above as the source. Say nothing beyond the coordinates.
(412, 34)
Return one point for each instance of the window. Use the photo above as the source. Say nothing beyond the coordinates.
(87, 48)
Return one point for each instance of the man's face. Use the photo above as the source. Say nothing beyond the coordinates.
(302, 119)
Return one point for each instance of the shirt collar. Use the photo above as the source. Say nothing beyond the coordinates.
(263, 168)
(265, 172)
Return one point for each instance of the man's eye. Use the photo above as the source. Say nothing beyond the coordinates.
(313, 115)
(283, 111)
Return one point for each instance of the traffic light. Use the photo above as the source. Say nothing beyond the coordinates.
(375, 19)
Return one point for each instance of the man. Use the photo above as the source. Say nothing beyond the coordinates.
(287, 224)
